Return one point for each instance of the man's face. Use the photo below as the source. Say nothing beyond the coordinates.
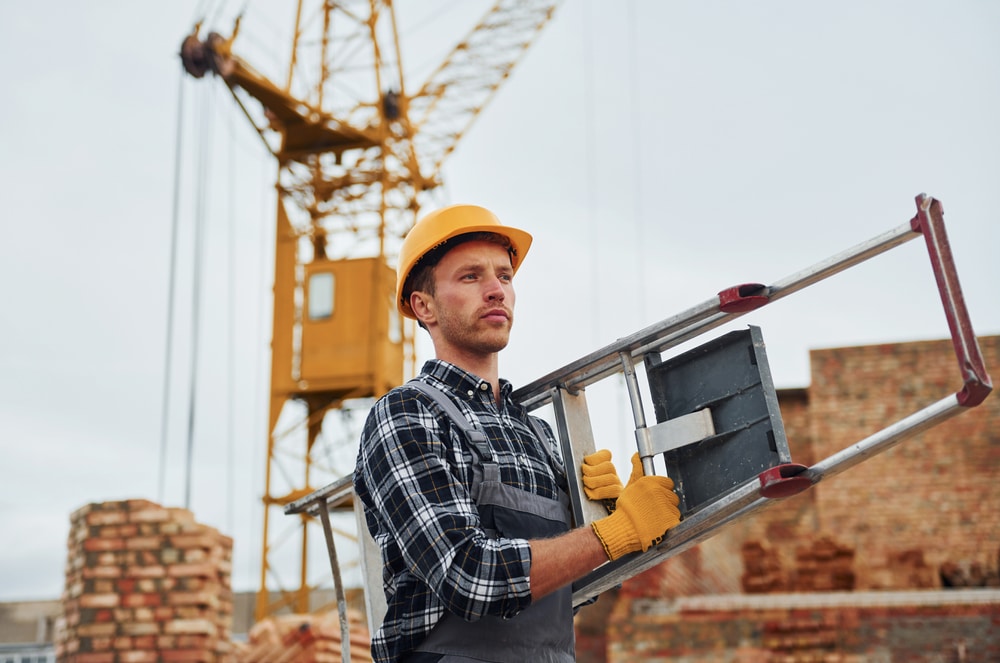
(474, 297)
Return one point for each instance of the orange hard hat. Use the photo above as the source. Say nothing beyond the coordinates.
(441, 225)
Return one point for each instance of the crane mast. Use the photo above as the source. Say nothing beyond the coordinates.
(357, 154)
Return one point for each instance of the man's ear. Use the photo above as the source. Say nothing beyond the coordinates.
(423, 306)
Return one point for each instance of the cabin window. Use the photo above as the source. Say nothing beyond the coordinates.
(321, 296)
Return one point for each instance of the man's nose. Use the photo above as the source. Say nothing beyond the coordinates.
(495, 290)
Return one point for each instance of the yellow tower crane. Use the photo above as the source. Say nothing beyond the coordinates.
(357, 151)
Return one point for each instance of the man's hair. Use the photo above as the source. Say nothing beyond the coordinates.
(421, 276)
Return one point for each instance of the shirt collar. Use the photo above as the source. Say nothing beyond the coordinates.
(462, 381)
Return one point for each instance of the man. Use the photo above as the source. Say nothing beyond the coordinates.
(462, 490)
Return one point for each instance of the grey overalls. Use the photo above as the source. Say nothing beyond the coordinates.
(543, 632)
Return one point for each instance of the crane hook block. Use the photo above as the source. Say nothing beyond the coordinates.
(743, 297)
(783, 480)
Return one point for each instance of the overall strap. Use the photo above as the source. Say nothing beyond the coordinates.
(554, 462)
(475, 438)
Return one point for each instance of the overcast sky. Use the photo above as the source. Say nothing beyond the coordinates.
(658, 151)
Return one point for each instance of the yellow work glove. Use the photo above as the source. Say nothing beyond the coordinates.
(600, 478)
(646, 509)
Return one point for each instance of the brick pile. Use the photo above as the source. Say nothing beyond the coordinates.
(964, 574)
(824, 566)
(801, 640)
(312, 638)
(145, 584)
(908, 570)
(762, 572)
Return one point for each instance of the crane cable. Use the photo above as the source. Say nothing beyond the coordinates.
(168, 353)
(202, 170)
(231, 335)
(202, 10)
(589, 130)
(172, 280)
(635, 102)
(199, 224)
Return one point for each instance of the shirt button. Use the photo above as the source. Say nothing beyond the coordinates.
(470, 393)
(483, 386)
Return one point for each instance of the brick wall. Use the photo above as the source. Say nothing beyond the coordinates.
(935, 493)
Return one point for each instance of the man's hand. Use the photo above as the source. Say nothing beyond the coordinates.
(646, 509)
(600, 478)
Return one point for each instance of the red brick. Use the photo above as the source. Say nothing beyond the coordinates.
(143, 615)
(95, 657)
(99, 600)
(149, 515)
(194, 540)
(97, 518)
(190, 627)
(140, 628)
(103, 545)
(138, 657)
(101, 643)
(136, 571)
(186, 656)
(193, 598)
(199, 570)
(141, 600)
(144, 543)
(104, 629)
(101, 572)
(138, 505)
(144, 642)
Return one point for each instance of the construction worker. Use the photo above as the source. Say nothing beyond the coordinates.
(464, 493)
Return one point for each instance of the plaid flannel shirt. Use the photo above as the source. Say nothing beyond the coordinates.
(413, 476)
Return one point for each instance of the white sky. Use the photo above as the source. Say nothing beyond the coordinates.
(658, 151)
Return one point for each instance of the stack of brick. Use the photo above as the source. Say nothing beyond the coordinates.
(761, 569)
(910, 570)
(960, 575)
(145, 584)
(825, 566)
(311, 638)
(802, 641)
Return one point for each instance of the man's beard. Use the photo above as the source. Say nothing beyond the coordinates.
(479, 336)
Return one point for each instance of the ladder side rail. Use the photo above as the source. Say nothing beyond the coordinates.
(376, 605)
(746, 499)
(338, 581)
(576, 440)
(929, 221)
(705, 316)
